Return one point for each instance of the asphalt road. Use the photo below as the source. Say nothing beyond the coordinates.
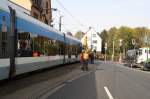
(122, 82)
(109, 81)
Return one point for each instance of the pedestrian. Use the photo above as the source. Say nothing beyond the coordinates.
(91, 57)
(82, 59)
(85, 61)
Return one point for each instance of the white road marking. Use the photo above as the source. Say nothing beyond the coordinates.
(108, 93)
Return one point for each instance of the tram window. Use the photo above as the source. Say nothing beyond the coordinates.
(61, 48)
(74, 50)
(23, 44)
(4, 29)
(42, 45)
(66, 49)
(140, 52)
(3, 38)
(35, 45)
(69, 51)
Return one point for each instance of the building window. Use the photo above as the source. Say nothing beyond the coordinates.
(145, 51)
(47, 8)
(95, 47)
(35, 15)
(88, 38)
(93, 35)
(94, 41)
(35, 1)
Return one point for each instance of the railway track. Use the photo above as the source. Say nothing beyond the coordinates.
(36, 84)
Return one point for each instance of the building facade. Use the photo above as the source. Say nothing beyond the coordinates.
(39, 9)
(23, 3)
(94, 41)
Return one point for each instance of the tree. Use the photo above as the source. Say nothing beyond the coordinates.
(69, 33)
(141, 33)
(79, 35)
(141, 36)
(111, 37)
(104, 36)
(126, 34)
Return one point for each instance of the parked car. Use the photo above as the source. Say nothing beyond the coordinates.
(146, 65)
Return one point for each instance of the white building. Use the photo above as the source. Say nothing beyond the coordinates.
(94, 41)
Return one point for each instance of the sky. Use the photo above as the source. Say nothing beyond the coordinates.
(101, 14)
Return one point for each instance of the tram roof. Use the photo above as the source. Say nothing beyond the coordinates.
(25, 22)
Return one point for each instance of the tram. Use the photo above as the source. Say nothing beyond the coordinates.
(27, 45)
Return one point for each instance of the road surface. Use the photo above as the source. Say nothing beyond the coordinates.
(109, 81)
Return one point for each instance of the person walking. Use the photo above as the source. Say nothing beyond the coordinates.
(85, 61)
(82, 60)
(91, 57)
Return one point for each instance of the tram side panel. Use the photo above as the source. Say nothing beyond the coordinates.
(37, 52)
(4, 44)
(73, 49)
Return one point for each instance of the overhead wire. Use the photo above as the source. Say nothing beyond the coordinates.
(76, 20)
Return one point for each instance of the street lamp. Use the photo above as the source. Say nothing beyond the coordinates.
(60, 22)
(147, 50)
(54, 9)
(60, 18)
(133, 43)
(91, 38)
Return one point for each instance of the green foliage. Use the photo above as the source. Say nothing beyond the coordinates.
(140, 35)
(79, 35)
(104, 36)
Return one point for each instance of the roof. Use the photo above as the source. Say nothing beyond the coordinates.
(93, 32)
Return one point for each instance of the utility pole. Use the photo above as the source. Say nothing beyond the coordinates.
(133, 43)
(50, 7)
(147, 45)
(60, 22)
(113, 50)
(105, 50)
(120, 45)
(91, 38)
